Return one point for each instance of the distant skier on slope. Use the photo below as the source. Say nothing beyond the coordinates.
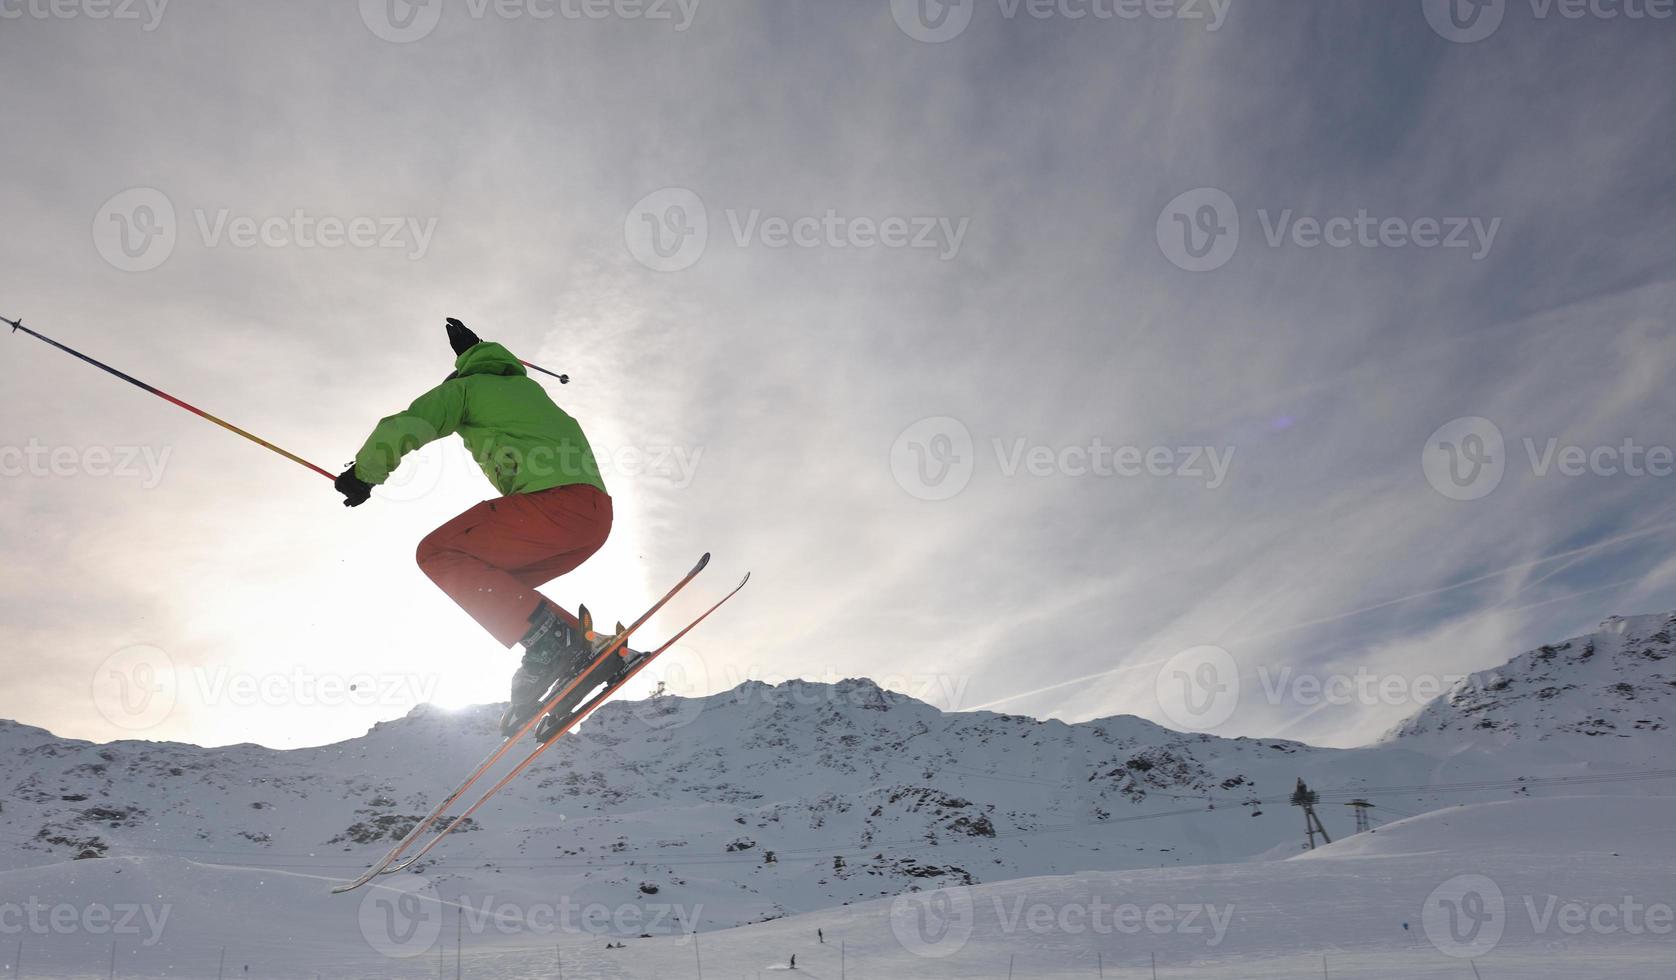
(554, 512)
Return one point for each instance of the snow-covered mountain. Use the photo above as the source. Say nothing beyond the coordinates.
(1617, 682)
(751, 803)
(766, 802)
(762, 801)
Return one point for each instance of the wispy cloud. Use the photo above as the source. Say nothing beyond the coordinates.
(781, 367)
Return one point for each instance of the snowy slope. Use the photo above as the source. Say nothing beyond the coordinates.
(1347, 903)
(753, 803)
(1616, 683)
(765, 802)
(857, 792)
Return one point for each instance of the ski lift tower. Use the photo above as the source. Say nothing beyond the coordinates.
(1363, 825)
(1306, 798)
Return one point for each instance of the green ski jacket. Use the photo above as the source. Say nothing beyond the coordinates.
(523, 441)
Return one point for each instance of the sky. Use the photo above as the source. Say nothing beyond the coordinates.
(1258, 369)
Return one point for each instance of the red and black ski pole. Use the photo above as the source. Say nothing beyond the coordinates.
(136, 382)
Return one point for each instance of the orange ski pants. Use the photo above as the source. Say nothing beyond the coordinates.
(492, 558)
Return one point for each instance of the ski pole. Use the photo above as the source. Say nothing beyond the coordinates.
(18, 325)
(564, 379)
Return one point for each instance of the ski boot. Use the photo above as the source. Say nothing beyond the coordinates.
(608, 673)
(555, 652)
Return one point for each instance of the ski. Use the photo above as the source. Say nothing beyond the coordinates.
(619, 675)
(436, 813)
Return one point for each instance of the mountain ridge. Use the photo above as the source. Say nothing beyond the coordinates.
(1619, 680)
(766, 799)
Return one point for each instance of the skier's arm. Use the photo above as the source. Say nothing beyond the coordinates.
(435, 414)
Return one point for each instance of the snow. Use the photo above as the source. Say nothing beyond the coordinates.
(1616, 683)
(1348, 901)
(659, 816)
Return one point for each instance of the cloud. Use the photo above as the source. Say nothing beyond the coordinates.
(786, 372)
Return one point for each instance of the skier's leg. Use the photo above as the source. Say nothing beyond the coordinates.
(487, 559)
(585, 509)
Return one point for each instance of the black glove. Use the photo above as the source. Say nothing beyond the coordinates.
(460, 337)
(355, 490)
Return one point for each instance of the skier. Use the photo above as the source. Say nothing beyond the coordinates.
(552, 515)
